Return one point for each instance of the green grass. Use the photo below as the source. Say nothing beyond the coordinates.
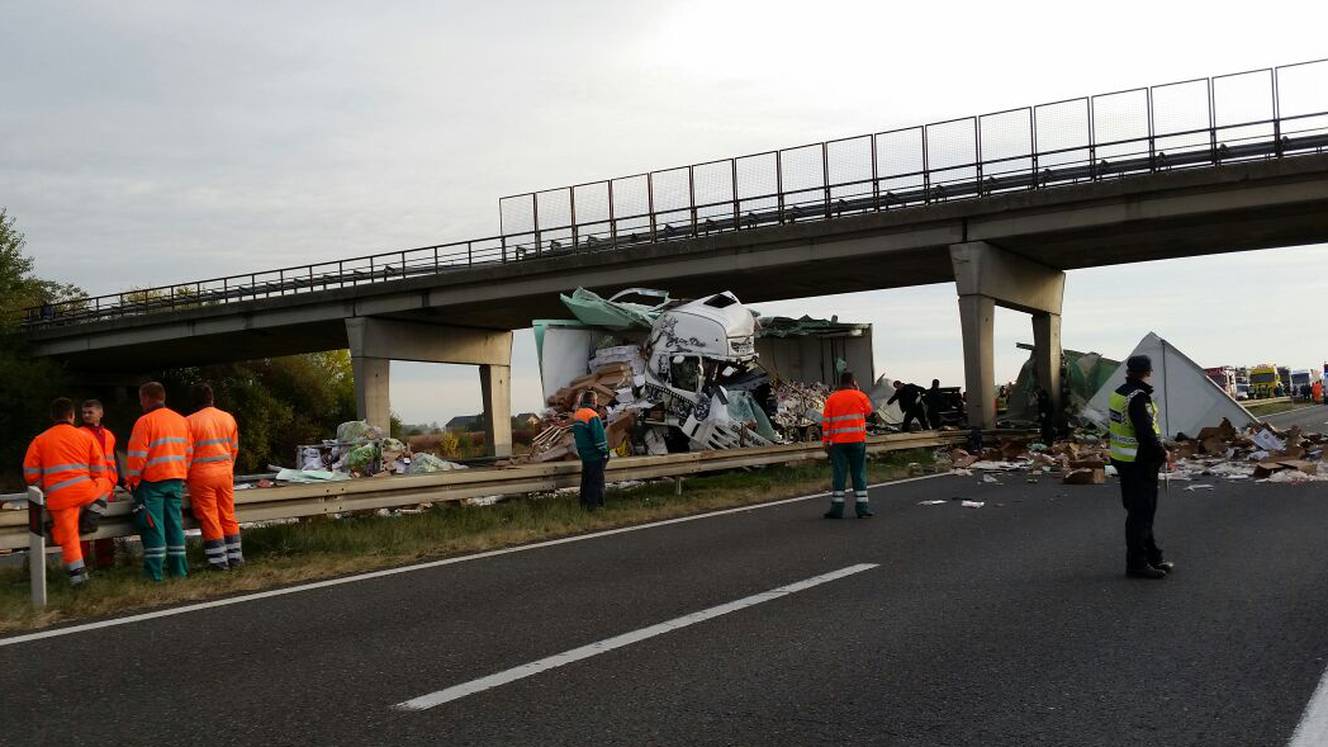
(284, 554)
(1272, 408)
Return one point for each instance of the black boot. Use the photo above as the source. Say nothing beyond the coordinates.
(863, 509)
(836, 510)
(1145, 571)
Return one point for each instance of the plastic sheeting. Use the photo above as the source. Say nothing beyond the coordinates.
(1085, 373)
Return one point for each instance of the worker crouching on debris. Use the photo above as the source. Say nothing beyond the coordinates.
(68, 465)
(160, 450)
(593, 447)
(212, 480)
(844, 435)
(1138, 454)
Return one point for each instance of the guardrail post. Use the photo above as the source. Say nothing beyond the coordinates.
(1277, 117)
(650, 203)
(534, 212)
(1032, 145)
(926, 169)
(613, 222)
(779, 183)
(571, 203)
(825, 176)
(691, 196)
(37, 545)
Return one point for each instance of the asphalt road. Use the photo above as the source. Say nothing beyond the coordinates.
(1312, 418)
(1006, 624)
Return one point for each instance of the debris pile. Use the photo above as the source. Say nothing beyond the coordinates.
(798, 407)
(672, 376)
(1260, 452)
(360, 450)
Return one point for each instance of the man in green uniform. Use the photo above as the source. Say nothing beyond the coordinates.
(1137, 453)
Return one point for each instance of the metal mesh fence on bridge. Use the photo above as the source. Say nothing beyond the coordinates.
(1206, 122)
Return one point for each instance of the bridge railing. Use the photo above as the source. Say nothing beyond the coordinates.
(1204, 122)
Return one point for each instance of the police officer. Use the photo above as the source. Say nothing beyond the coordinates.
(1137, 453)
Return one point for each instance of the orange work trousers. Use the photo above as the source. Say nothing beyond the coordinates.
(212, 498)
(64, 510)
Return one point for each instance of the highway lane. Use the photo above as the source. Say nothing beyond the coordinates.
(1311, 418)
(1006, 624)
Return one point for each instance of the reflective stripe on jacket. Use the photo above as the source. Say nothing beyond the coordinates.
(106, 440)
(1124, 438)
(216, 443)
(68, 465)
(844, 418)
(160, 448)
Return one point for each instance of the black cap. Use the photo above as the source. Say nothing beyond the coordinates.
(1139, 364)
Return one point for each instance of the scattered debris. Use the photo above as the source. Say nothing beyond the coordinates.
(1259, 452)
(932, 503)
(1197, 487)
(973, 504)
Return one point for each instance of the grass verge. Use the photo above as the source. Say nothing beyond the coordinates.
(1273, 408)
(284, 554)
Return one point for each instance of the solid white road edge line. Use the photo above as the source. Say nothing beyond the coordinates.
(72, 629)
(1312, 731)
(456, 692)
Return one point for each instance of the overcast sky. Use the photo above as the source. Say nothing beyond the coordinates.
(143, 143)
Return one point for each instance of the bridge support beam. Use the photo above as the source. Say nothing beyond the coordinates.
(986, 277)
(374, 343)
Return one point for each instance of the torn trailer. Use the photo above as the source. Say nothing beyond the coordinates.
(673, 375)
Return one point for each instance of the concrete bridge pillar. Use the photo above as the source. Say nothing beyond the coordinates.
(374, 343)
(986, 277)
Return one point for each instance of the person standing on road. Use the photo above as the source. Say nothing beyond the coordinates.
(160, 450)
(592, 446)
(844, 435)
(935, 404)
(66, 463)
(212, 480)
(908, 396)
(1137, 453)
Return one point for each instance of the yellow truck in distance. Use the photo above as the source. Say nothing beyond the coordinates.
(1263, 381)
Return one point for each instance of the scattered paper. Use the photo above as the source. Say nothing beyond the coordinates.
(1199, 486)
(931, 503)
(973, 504)
(1267, 441)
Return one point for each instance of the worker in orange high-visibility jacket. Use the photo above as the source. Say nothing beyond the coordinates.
(100, 553)
(212, 480)
(66, 463)
(844, 434)
(160, 450)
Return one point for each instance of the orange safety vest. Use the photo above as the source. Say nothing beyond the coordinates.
(585, 414)
(160, 448)
(844, 419)
(68, 465)
(106, 440)
(216, 443)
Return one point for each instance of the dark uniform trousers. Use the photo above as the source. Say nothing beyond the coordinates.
(592, 482)
(1139, 496)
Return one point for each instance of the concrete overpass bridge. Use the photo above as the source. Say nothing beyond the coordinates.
(1001, 204)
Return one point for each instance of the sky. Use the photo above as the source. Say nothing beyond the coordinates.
(144, 143)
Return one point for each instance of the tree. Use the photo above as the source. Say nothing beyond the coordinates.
(278, 403)
(26, 386)
(19, 288)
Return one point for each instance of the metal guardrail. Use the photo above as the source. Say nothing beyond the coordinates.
(324, 499)
(1247, 116)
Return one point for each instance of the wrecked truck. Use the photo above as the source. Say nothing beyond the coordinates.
(688, 375)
